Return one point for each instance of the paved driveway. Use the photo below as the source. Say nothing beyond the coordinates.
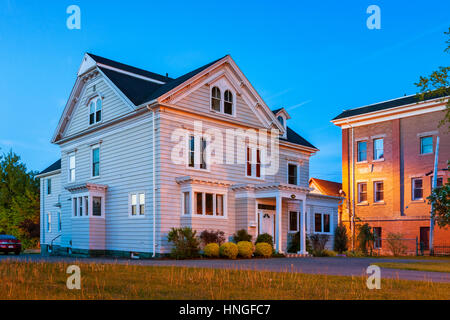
(331, 266)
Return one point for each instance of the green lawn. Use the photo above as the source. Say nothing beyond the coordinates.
(21, 280)
(419, 266)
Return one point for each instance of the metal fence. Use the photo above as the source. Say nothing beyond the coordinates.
(409, 246)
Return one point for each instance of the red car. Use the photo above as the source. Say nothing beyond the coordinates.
(10, 244)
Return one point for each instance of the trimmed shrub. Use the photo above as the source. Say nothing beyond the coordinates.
(229, 250)
(263, 249)
(212, 237)
(245, 249)
(340, 239)
(186, 244)
(241, 235)
(354, 254)
(265, 238)
(211, 250)
(329, 253)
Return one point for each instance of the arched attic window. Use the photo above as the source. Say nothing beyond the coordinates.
(281, 119)
(95, 110)
(228, 102)
(215, 99)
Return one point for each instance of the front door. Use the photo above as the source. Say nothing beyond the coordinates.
(425, 237)
(267, 222)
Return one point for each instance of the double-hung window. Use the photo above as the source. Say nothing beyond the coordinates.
(362, 192)
(293, 174)
(223, 105)
(378, 149)
(95, 161)
(378, 187)
(253, 162)
(293, 221)
(362, 150)
(137, 204)
(59, 221)
(95, 110)
(417, 189)
(71, 165)
(377, 235)
(197, 152)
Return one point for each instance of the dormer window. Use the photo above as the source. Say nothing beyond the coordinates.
(215, 99)
(222, 103)
(228, 102)
(281, 119)
(95, 110)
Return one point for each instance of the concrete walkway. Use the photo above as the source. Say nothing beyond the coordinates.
(330, 266)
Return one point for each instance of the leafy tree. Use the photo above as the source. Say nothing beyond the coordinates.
(440, 199)
(437, 83)
(19, 200)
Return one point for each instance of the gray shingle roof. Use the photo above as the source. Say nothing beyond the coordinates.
(389, 104)
(54, 166)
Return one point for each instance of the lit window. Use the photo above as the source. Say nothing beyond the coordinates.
(96, 161)
(417, 189)
(209, 209)
(378, 149)
(362, 192)
(228, 102)
(362, 151)
(292, 174)
(95, 110)
(215, 99)
(72, 168)
(426, 145)
(378, 191)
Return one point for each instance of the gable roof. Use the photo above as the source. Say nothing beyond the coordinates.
(391, 104)
(140, 90)
(326, 187)
(294, 137)
(53, 167)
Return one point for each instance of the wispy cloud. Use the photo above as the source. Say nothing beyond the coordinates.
(278, 94)
(295, 106)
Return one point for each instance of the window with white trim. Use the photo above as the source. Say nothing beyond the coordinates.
(197, 147)
(253, 162)
(293, 175)
(71, 166)
(378, 189)
(95, 158)
(216, 99)
(362, 192)
(96, 206)
(228, 102)
(95, 110)
(293, 221)
(186, 203)
(417, 189)
(207, 203)
(362, 151)
(49, 186)
(377, 244)
(137, 204)
(49, 222)
(378, 149)
(223, 104)
(322, 223)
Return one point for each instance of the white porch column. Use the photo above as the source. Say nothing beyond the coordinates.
(303, 228)
(278, 240)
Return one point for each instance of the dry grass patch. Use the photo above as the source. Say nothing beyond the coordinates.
(418, 266)
(41, 280)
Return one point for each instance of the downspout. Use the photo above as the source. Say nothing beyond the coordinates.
(353, 188)
(154, 183)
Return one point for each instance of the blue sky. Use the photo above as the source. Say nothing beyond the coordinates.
(313, 58)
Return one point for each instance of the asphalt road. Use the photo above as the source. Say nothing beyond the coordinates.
(330, 266)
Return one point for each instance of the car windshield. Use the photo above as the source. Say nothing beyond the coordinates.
(7, 237)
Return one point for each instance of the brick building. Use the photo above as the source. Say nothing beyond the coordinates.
(388, 152)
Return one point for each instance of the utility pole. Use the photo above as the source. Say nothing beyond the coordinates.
(434, 185)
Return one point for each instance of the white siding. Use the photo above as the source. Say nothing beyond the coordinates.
(48, 202)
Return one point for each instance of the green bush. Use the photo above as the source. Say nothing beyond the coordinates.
(245, 249)
(265, 238)
(229, 250)
(241, 235)
(263, 249)
(329, 253)
(212, 250)
(340, 239)
(186, 244)
(354, 254)
(365, 239)
(395, 244)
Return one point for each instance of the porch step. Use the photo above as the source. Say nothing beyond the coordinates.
(297, 255)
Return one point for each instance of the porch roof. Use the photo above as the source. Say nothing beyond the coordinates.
(85, 186)
(270, 186)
